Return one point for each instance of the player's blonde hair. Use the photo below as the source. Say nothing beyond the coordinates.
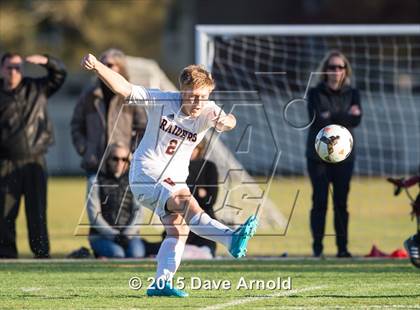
(195, 76)
(324, 64)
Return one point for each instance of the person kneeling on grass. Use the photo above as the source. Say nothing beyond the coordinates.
(177, 122)
(113, 211)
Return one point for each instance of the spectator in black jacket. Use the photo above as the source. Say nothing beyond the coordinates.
(332, 101)
(26, 133)
(101, 118)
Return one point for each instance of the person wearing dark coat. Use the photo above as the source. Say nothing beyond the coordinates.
(113, 211)
(332, 101)
(25, 135)
(101, 118)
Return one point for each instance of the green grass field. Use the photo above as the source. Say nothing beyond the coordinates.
(344, 284)
(376, 218)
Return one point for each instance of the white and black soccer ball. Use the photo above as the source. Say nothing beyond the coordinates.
(333, 143)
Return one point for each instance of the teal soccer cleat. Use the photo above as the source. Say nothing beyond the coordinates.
(167, 291)
(241, 237)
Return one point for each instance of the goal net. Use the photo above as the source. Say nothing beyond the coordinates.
(263, 74)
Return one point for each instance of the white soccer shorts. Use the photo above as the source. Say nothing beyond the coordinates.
(153, 194)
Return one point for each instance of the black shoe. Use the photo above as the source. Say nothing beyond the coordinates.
(344, 254)
(79, 253)
(317, 254)
(317, 249)
(42, 256)
(413, 250)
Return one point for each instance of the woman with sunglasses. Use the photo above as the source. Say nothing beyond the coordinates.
(113, 211)
(332, 101)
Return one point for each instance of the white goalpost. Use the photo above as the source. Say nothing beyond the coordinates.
(205, 34)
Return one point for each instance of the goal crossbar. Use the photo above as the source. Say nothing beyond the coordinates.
(203, 33)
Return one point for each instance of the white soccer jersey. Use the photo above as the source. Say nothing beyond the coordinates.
(170, 136)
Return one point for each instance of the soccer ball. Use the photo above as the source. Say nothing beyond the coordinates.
(333, 143)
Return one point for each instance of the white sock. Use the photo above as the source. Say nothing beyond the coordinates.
(169, 258)
(204, 226)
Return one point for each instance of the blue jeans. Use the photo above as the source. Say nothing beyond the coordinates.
(108, 248)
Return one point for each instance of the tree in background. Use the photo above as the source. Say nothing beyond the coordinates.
(68, 28)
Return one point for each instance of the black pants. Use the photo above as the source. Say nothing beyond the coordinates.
(28, 178)
(321, 175)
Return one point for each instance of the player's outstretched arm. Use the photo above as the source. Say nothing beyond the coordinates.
(118, 84)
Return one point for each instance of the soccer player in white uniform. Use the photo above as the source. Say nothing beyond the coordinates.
(177, 122)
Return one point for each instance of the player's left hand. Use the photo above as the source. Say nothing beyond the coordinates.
(223, 123)
(37, 59)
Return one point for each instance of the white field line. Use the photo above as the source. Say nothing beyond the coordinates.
(257, 298)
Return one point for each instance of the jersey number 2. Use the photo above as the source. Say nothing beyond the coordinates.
(171, 147)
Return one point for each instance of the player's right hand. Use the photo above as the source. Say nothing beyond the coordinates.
(89, 62)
